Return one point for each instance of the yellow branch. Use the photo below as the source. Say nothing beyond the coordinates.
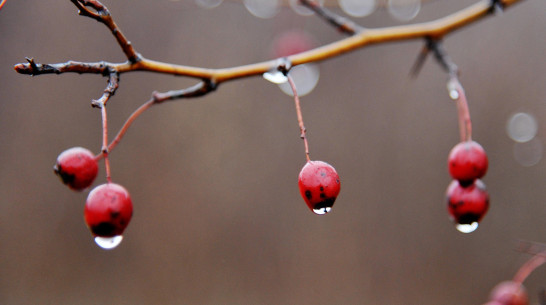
(436, 29)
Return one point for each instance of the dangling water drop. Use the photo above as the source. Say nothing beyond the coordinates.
(467, 228)
(322, 210)
(452, 89)
(276, 77)
(108, 243)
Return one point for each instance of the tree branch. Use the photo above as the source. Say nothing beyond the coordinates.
(434, 30)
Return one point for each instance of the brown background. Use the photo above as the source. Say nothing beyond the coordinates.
(218, 216)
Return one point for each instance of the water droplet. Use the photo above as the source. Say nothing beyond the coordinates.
(305, 77)
(262, 8)
(522, 127)
(322, 210)
(108, 243)
(358, 8)
(467, 228)
(404, 10)
(275, 77)
(452, 89)
(208, 3)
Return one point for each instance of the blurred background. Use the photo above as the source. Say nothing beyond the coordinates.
(218, 216)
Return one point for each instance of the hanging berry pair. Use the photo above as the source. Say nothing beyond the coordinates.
(467, 197)
(108, 208)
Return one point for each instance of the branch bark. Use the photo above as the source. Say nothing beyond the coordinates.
(435, 30)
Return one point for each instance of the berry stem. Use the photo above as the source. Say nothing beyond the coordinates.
(105, 143)
(300, 117)
(129, 121)
(529, 266)
(126, 126)
(457, 93)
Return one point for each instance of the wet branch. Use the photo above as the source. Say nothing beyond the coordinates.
(434, 30)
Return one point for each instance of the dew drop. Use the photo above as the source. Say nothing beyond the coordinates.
(467, 228)
(108, 243)
(322, 210)
(452, 89)
(276, 77)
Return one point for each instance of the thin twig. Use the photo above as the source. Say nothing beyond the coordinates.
(342, 24)
(199, 89)
(303, 131)
(102, 14)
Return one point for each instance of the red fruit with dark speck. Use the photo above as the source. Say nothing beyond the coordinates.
(77, 168)
(108, 210)
(467, 204)
(467, 161)
(319, 186)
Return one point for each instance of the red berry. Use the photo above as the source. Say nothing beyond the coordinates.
(108, 210)
(509, 293)
(467, 161)
(319, 186)
(77, 168)
(467, 204)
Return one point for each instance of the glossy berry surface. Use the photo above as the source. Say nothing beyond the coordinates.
(509, 293)
(467, 204)
(108, 210)
(77, 168)
(467, 161)
(319, 186)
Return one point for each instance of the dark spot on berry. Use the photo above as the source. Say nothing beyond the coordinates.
(114, 214)
(326, 203)
(104, 229)
(468, 218)
(65, 177)
(321, 188)
(466, 183)
(322, 195)
(323, 174)
(455, 204)
(308, 194)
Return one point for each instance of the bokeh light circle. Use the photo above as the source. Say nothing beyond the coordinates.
(305, 77)
(521, 127)
(358, 8)
(263, 8)
(404, 10)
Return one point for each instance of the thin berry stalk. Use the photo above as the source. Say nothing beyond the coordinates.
(105, 143)
(465, 124)
(300, 117)
(526, 269)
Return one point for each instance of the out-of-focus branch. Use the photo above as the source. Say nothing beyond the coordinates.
(344, 25)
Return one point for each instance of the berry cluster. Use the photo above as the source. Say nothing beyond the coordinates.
(467, 198)
(108, 208)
